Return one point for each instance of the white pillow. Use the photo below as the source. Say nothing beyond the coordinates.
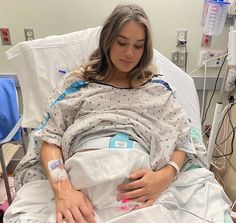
(40, 64)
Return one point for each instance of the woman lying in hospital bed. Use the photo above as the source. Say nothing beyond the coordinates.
(113, 141)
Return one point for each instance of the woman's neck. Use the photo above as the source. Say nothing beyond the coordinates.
(119, 80)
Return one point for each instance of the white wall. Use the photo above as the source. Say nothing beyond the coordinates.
(50, 17)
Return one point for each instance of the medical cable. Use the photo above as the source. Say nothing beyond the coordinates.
(206, 202)
(233, 131)
(204, 84)
(195, 69)
(204, 87)
(218, 175)
(219, 178)
(219, 150)
(233, 127)
(209, 127)
(225, 132)
(204, 90)
(220, 164)
(232, 207)
(216, 164)
(221, 120)
(233, 137)
(199, 67)
(206, 130)
(186, 58)
(183, 209)
(214, 90)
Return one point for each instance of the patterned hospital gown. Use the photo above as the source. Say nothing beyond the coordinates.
(81, 111)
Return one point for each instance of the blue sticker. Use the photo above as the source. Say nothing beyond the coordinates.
(121, 140)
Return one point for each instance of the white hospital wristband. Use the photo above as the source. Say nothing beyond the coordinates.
(176, 167)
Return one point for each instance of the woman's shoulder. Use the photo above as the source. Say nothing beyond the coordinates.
(157, 81)
(70, 82)
(76, 76)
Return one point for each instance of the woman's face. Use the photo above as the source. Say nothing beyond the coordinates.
(127, 48)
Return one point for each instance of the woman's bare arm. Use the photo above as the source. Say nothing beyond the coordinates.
(71, 204)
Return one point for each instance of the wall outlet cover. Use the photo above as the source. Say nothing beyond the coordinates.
(5, 36)
(212, 58)
(29, 34)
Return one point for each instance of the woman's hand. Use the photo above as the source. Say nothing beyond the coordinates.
(146, 185)
(73, 207)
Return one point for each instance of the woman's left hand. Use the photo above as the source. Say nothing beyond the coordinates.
(146, 186)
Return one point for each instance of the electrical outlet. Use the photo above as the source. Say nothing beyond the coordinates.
(182, 58)
(29, 34)
(5, 36)
(179, 58)
(181, 37)
(213, 57)
(174, 57)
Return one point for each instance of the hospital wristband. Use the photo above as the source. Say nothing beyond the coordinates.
(175, 166)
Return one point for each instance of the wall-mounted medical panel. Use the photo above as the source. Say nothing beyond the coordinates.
(5, 36)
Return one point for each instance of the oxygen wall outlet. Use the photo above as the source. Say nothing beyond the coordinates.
(212, 58)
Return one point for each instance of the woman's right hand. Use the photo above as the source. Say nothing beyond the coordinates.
(73, 206)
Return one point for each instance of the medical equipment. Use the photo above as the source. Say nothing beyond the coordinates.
(232, 47)
(231, 76)
(57, 171)
(215, 18)
(228, 84)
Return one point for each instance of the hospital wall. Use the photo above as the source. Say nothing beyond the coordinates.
(54, 17)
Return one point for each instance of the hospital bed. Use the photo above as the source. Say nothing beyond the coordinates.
(41, 63)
